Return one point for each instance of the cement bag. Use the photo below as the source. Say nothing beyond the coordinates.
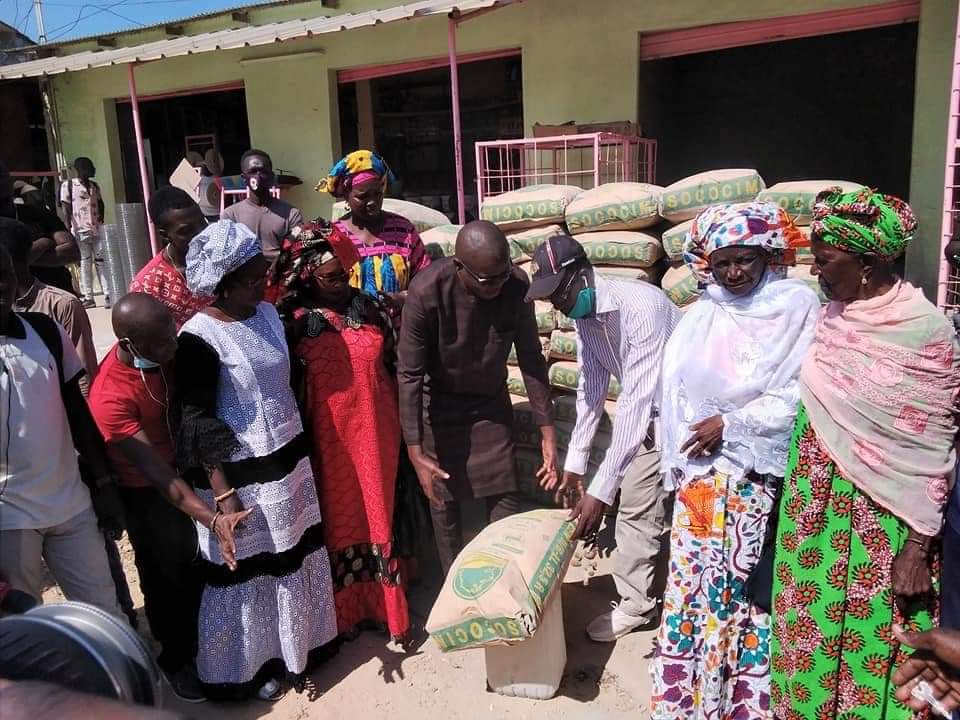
(563, 345)
(546, 317)
(440, 241)
(438, 250)
(565, 376)
(531, 206)
(530, 240)
(442, 234)
(544, 346)
(565, 323)
(422, 217)
(673, 239)
(685, 198)
(527, 461)
(797, 197)
(621, 248)
(565, 411)
(681, 285)
(526, 437)
(614, 206)
(650, 274)
(501, 581)
(802, 272)
(515, 384)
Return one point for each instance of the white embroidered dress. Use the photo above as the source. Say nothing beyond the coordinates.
(281, 606)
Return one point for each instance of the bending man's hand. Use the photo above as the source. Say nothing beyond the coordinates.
(428, 472)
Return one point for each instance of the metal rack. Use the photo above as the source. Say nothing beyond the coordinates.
(585, 161)
(948, 287)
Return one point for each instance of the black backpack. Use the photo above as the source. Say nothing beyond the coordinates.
(46, 327)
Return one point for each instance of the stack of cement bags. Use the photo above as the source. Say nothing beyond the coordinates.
(610, 220)
(680, 203)
(529, 215)
(441, 242)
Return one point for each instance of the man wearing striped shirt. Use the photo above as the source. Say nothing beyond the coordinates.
(622, 329)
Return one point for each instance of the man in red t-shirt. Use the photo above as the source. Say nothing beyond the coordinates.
(130, 401)
(177, 219)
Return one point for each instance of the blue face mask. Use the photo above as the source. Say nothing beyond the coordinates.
(586, 299)
(141, 363)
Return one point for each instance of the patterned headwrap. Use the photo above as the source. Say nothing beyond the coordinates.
(306, 248)
(863, 221)
(358, 166)
(222, 248)
(760, 224)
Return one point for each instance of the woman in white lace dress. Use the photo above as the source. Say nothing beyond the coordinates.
(730, 396)
(242, 440)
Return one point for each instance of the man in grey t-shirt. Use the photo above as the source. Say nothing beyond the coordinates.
(269, 218)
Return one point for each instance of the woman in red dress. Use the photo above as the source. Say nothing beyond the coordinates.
(344, 342)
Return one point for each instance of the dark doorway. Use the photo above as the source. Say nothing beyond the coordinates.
(217, 118)
(835, 107)
(412, 124)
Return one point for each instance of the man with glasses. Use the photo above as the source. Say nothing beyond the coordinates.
(461, 317)
(270, 219)
(622, 329)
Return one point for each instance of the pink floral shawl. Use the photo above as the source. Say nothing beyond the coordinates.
(878, 386)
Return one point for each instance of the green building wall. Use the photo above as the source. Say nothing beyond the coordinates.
(580, 62)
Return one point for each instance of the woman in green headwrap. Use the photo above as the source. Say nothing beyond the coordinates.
(867, 476)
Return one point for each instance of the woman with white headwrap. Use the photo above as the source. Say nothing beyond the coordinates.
(241, 437)
(729, 399)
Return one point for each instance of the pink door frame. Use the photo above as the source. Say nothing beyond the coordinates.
(370, 72)
(669, 43)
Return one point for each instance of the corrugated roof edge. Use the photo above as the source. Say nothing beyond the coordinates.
(178, 21)
(235, 38)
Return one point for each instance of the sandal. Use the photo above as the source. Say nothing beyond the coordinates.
(270, 691)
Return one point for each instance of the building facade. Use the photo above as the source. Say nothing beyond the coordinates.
(551, 61)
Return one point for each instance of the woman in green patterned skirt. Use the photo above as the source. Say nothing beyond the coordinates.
(868, 472)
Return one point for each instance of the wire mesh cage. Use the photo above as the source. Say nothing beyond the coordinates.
(948, 286)
(584, 160)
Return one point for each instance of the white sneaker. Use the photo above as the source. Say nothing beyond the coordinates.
(613, 625)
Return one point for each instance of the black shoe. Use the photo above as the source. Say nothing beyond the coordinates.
(186, 685)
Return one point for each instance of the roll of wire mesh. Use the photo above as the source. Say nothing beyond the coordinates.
(132, 218)
(113, 242)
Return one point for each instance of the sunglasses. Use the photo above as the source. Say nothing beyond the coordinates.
(491, 280)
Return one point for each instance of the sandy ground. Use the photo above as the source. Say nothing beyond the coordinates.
(371, 678)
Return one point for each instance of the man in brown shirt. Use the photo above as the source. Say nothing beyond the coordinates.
(461, 317)
(270, 219)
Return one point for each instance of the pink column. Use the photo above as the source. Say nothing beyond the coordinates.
(141, 155)
(455, 103)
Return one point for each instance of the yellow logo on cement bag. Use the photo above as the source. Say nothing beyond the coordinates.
(476, 574)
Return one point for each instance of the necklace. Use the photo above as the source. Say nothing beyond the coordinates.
(19, 300)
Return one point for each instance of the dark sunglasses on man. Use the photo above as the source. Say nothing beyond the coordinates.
(485, 280)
